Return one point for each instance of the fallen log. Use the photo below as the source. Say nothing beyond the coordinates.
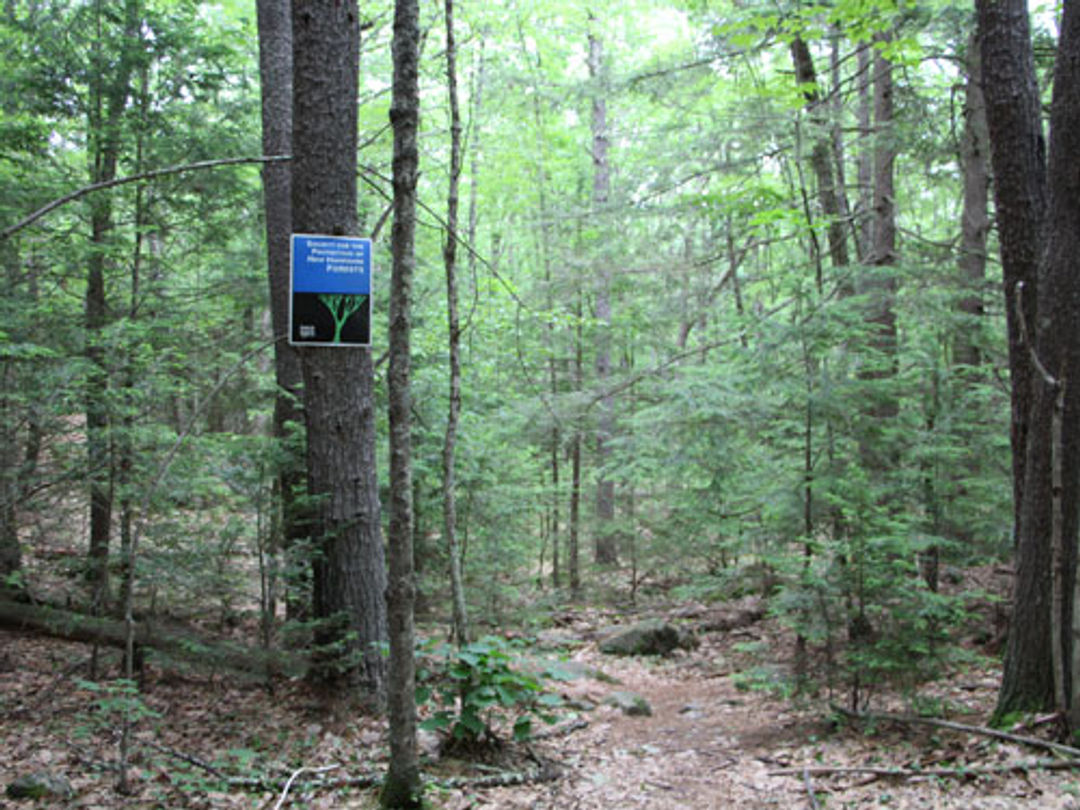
(175, 645)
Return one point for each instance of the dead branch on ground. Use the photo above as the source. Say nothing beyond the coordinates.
(911, 719)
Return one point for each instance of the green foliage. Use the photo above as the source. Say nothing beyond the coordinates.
(740, 354)
(477, 686)
(116, 704)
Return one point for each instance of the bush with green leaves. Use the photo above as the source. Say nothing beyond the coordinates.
(476, 688)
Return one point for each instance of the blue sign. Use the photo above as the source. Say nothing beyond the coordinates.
(330, 301)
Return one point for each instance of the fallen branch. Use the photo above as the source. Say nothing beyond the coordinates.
(1033, 742)
(309, 777)
(292, 778)
(188, 758)
(959, 772)
(506, 779)
(561, 731)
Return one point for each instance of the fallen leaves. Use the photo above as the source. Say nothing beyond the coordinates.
(708, 744)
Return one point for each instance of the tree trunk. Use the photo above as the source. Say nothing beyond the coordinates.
(1017, 158)
(108, 100)
(606, 547)
(402, 787)
(1050, 511)
(275, 71)
(821, 157)
(10, 550)
(555, 433)
(349, 572)
(878, 284)
(864, 162)
(573, 563)
(1017, 155)
(975, 220)
(457, 586)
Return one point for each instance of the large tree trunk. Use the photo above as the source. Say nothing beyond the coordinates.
(1017, 159)
(402, 787)
(275, 71)
(1017, 155)
(606, 546)
(1050, 510)
(349, 570)
(878, 284)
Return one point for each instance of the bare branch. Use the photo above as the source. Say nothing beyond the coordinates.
(11, 230)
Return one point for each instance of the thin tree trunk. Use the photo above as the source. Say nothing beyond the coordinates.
(821, 155)
(402, 787)
(457, 586)
(573, 551)
(10, 549)
(606, 548)
(349, 571)
(555, 434)
(275, 71)
(11, 476)
(975, 220)
(864, 162)
(125, 440)
(108, 100)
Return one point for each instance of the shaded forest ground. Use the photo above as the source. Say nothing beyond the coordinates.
(722, 734)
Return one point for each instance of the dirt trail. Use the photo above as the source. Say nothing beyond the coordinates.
(709, 744)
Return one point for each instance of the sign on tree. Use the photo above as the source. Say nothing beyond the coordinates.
(330, 300)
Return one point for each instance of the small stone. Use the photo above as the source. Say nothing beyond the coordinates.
(429, 743)
(630, 704)
(694, 711)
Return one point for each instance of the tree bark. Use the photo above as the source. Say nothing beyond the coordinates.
(275, 71)
(878, 284)
(402, 787)
(349, 569)
(1017, 159)
(1050, 510)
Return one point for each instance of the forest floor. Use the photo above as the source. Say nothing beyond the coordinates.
(721, 735)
